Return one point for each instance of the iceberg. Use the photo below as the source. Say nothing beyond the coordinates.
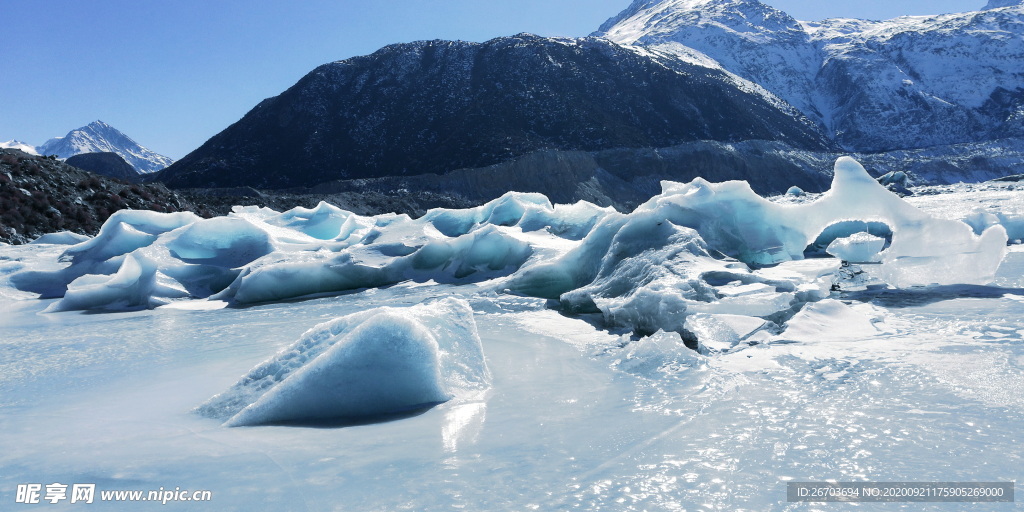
(381, 361)
(857, 248)
(662, 352)
(686, 250)
(720, 333)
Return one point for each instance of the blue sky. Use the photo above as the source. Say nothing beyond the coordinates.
(173, 74)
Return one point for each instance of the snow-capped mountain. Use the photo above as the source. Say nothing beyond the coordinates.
(17, 144)
(100, 137)
(438, 106)
(910, 82)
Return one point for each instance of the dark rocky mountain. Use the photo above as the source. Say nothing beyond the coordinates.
(106, 164)
(436, 106)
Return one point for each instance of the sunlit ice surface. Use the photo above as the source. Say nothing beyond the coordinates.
(107, 399)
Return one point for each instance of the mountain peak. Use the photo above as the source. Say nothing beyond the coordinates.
(651, 21)
(100, 124)
(100, 137)
(995, 4)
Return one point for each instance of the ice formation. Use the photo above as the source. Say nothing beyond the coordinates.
(660, 352)
(374, 362)
(720, 333)
(61, 238)
(859, 247)
(696, 248)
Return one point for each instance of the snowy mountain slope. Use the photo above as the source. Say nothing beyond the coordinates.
(17, 144)
(995, 4)
(751, 39)
(100, 137)
(905, 83)
(437, 106)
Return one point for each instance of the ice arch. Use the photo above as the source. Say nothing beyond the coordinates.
(845, 229)
(924, 250)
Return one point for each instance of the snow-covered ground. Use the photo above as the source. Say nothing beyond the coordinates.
(574, 403)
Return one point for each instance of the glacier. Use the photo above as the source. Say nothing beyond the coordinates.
(537, 356)
(698, 247)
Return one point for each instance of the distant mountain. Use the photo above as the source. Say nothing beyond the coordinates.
(437, 106)
(106, 164)
(910, 82)
(17, 144)
(100, 137)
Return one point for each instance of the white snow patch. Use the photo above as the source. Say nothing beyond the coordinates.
(828, 320)
(578, 333)
(61, 238)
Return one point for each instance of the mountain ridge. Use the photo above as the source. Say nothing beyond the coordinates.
(911, 82)
(436, 106)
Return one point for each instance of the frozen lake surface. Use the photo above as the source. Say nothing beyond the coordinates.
(106, 399)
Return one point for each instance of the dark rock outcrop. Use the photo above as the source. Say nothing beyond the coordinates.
(40, 195)
(105, 164)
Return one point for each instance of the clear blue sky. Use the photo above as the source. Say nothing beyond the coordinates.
(173, 74)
